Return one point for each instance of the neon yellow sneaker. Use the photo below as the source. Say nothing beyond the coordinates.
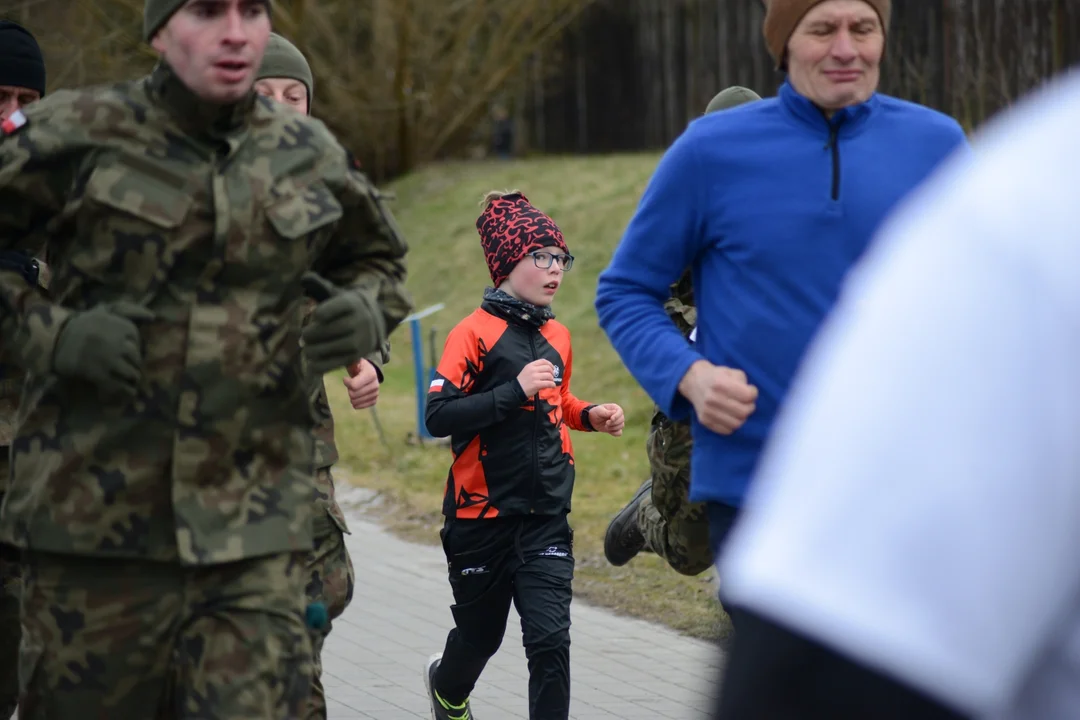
(440, 708)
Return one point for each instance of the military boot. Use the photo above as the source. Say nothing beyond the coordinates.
(624, 539)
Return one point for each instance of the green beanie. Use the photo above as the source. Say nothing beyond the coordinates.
(729, 98)
(156, 13)
(282, 59)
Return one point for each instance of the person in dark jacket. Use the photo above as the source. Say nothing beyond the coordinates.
(502, 393)
(22, 81)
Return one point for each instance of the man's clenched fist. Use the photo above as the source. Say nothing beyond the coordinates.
(721, 396)
(362, 384)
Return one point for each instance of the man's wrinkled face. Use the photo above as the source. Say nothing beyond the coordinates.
(12, 98)
(834, 55)
(285, 91)
(215, 47)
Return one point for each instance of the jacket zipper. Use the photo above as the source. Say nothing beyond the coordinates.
(834, 146)
(536, 434)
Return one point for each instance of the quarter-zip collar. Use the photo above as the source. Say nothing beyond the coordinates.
(849, 120)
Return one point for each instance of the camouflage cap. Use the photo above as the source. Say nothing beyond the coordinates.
(729, 98)
(282, 59)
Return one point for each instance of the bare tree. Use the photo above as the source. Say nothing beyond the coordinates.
(410, 79)
(402, 82)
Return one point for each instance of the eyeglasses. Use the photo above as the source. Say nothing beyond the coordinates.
(543, 260)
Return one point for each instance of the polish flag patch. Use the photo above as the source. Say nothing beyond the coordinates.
(13, 123)
(436, 384)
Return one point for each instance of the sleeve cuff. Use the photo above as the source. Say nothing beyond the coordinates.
(375, 359)
(36, 340)
(585, 421)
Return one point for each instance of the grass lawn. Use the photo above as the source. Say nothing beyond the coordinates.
(592, 199)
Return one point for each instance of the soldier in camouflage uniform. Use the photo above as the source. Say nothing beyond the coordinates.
(162, 470)
(660, 517)
(286, 77)
(22, 81)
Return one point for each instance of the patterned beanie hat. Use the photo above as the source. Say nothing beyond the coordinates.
(510, 228)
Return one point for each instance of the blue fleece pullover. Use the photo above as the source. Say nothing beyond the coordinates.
(770, 203)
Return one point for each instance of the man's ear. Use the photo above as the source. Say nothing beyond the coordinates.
(157, 42)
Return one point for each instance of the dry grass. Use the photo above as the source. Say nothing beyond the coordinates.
(592, 199)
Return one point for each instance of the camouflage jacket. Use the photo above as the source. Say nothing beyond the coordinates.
(208, 216)
(680, 306)
(326, 453)
(11, 382)
(671, 447)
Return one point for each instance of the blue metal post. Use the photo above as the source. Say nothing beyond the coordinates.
(421, 384)
(424, 375)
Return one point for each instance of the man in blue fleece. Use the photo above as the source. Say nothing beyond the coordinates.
(769, 204)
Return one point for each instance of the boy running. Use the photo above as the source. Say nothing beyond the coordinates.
(502, 393)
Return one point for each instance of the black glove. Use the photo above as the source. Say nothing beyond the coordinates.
(102, 345)
(344, 327)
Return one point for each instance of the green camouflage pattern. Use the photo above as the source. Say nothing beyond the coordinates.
(121, 638)
(326, 453)
(208, 216)
(11, 383)
(330, 581)
(675, 528)
(10, 593)
(680, 306)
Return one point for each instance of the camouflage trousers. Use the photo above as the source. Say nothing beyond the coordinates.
(330, 581)
(674, 528)
(121, 638)
(10, 592)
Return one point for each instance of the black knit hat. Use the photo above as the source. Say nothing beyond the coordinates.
(21, 62)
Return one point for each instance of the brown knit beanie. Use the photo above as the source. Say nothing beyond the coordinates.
(783, 16)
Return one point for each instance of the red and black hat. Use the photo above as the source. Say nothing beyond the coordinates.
(510, 228)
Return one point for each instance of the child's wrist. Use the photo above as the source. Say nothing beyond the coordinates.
(516, 384)
(586, 421)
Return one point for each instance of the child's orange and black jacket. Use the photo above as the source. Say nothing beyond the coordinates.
(512, 453)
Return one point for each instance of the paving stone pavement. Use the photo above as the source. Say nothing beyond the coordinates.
(373, 660)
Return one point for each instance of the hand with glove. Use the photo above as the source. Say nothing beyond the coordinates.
(344, 327)
(102, 345)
